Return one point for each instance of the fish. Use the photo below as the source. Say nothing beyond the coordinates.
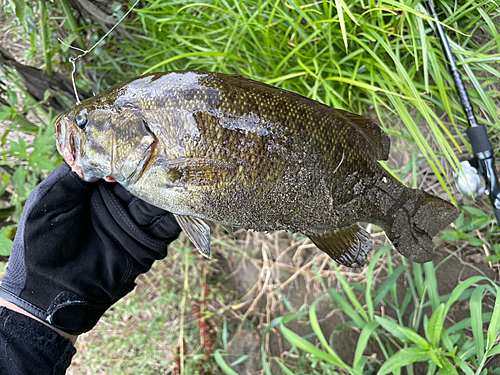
(234, 151)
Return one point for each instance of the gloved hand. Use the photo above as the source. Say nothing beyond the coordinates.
(79, 247)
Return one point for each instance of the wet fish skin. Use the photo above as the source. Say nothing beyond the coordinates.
(209, 146)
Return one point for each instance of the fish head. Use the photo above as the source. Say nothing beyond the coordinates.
(102, 138)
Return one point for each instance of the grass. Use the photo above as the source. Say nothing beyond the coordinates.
(447, 349)
(378, 58)
(158, 315)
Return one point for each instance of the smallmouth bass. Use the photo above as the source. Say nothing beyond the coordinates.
(218, 147)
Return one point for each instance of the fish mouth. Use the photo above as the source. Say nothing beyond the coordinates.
(67, 143)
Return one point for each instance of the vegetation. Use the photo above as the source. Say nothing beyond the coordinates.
(374, 57)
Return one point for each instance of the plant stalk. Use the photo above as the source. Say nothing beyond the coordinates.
(45, 37)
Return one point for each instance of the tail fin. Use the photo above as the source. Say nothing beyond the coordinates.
(421, 218)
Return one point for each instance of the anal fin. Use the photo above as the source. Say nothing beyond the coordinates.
(347, 246)
(197, 231)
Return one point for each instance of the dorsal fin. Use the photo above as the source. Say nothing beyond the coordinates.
(374, 134)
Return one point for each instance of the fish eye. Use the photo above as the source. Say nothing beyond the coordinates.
(81, 120)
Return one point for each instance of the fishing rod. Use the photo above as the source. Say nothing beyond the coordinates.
(479, 175)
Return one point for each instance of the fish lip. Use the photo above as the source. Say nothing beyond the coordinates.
(67, 144)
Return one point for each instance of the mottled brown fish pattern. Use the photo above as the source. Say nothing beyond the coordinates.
(218, 147)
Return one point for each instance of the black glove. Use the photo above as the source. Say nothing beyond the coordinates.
(79, 248)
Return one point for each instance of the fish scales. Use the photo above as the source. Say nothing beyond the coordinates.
(209, 146)
(270, 129)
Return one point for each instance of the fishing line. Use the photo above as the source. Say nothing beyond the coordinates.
(73, 60)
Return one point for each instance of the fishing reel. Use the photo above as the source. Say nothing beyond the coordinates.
(469, 182)
(477, 176)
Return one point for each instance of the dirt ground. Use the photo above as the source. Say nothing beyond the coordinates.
(302, 287)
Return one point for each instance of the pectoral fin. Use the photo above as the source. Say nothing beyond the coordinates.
(347, 246)
(196, 171)
(198, 232)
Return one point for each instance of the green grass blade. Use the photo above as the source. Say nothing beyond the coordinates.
(457, 292)
(493, 351)
(222, 364)
(274, 323)
(431, 283)
(448, 368)
(404, 334)
(488, 104)
(361, 345)
(476, 321)
(418, 276)
(346, 308)
(305, 345)
(285, 369)
(369, 280)
(352, 297)
(193, 54)
(319, 333)
(495, 322)
(435, 325)
(340, 12)
(402, 358)
(466, 323)
(387, 285)
(242, 359)
(45, 38)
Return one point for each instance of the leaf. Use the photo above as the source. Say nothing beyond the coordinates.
(474, 241)
(242, 359)
(274, 323)
(477, 321)
(448, 368)
(403, 333)
(430, 281)
(305, 345)
(492, 258)
(19, 177)
(493, 351)
(457, 292)
(387, 285)
(11, 95)
(352, 297)
(451, 235)
(222, 364)
(319, 333)
(361, 346)
(346, 307)
(460, 221)
(435, 358)
(19, 6)
(402, 358)
(369, 279)
(18, 149)
(447, 343)
(462, 365)
(42, 161)
(5, 246)
(435, 325)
